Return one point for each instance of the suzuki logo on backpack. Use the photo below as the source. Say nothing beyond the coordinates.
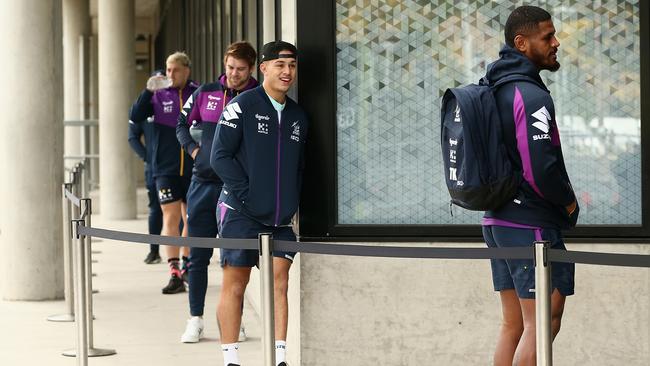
(457, 114)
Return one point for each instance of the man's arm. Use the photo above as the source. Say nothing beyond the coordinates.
(135, 133)
(226, 144)
(188, 114)
(142, 108)
(538, 142)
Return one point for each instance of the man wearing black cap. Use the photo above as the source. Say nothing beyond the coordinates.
(258, 152)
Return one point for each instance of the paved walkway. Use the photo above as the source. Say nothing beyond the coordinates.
(132, 316)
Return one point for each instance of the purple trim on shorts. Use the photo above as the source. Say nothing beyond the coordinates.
(222, 212)
(491, 221)
(521, 130)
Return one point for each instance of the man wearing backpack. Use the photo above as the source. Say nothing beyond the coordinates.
(545, 202)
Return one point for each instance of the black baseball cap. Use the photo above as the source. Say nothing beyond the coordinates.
(271, 51)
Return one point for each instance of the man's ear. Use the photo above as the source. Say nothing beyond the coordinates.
(263, 67)
(521, 43)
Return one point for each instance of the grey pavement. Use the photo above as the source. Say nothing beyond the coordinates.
(132, 316)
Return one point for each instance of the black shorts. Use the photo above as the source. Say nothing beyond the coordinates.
(172, 188)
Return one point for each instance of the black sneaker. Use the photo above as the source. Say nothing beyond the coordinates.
(282, 364)
(174, 286)
(152, 258)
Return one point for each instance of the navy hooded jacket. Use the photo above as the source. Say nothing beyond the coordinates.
(259, 158)
(533, 142)
(203, 109)
(144, 152)
(168, 159)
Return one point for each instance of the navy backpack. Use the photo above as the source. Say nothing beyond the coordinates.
(478, 172)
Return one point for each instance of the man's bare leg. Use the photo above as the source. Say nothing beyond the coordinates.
(525, 354)
(235, 280)
(171, 219)
(281, 268)
(512, 327)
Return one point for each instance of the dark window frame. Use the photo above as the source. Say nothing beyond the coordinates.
(316, 32)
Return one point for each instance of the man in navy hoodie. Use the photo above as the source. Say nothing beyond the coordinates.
(136, 131)
(258, 152)
(172, 167)
(195, 131)
(545, 202)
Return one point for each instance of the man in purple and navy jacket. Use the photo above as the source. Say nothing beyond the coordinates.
(171, 167)
(195, 131)
(545, 202)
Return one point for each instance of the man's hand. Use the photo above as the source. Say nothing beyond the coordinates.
(572, 207)
(194, 153)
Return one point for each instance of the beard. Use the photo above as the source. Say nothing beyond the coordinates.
(553, 67)
(545, 61)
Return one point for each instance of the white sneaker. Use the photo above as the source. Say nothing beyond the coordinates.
(193, 330)
(242, 334)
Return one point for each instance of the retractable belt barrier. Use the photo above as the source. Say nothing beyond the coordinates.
(81, 231)
(331, 248)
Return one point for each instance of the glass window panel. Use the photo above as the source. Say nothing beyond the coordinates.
(396, 58)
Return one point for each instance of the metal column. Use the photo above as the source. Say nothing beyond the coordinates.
(543, 304)
(266, 287)
(80, 297)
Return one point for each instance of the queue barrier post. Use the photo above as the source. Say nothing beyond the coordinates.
(266, 288)
(80, 297)
(68, 267)
(84, 256)
(543, 304)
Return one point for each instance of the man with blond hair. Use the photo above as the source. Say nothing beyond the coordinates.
(163, 98)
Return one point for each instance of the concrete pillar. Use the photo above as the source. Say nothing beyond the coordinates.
(76, 23)
(268, 23)
(31, 150)
(116, 75)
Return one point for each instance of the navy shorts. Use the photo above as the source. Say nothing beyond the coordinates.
(172, 188)
(234, 225)
(519, 274)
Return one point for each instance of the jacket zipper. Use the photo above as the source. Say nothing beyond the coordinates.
(180, 97)
(277, 177)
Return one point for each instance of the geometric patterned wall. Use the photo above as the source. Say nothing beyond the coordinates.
(396, 58)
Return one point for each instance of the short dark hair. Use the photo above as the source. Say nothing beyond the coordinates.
(523, 20)
(241, 51)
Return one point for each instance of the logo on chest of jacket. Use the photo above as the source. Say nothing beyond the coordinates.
(295, 134)
(168, 107)
(265, 118)
(263, 127)
(212, 103)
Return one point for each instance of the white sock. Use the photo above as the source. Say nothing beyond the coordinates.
(280, 352)
(230, 354)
